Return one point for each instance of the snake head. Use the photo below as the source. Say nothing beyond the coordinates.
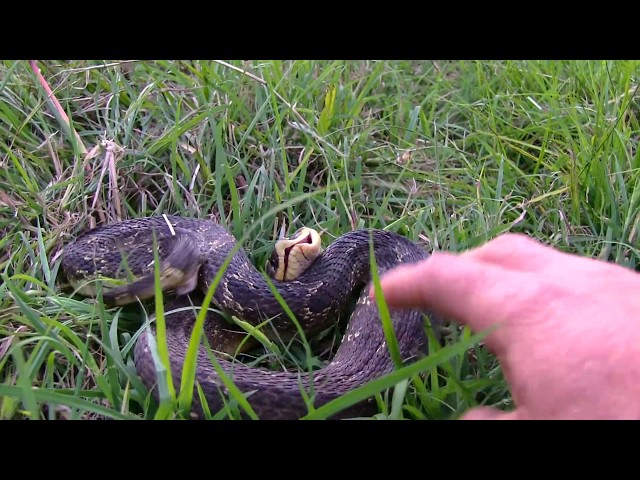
(292, 256)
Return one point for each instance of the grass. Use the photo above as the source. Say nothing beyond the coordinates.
(449, 154)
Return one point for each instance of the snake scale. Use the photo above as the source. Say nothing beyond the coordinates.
(195, 249)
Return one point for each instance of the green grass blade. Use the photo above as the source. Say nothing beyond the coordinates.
(58, 398)
(385, 317)
(391, 379)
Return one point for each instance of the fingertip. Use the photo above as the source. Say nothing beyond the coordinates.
(399, 285)
(452, 286)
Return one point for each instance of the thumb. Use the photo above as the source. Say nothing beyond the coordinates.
(490, 413)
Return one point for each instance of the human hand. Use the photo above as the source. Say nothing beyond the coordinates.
(568, 335)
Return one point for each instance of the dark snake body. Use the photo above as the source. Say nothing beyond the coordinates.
(316, 298)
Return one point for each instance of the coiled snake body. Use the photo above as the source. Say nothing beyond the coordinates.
(195, 249)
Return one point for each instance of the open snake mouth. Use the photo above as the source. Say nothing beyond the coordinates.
(293, 255)
(287, 251)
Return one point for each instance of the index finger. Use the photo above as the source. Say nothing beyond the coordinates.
(471, 292)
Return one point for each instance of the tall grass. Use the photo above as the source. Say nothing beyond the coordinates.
(449, 154)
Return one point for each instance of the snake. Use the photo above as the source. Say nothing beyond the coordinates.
(198, 254)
